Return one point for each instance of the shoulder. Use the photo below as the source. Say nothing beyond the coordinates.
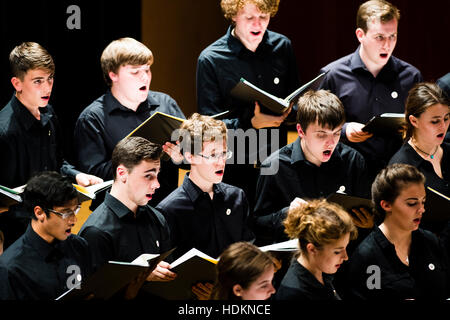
(282, 154)
(175, 199)
(349, 154)
(94, 110)
(158, 216)
(340, 64)
(403, 155)
(215, 50)
(231, 191)
(405, 67)
(77, 242)
(278, 38)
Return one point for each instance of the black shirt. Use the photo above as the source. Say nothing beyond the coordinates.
(113, 233)
(106, 121)
(407, 154)
(365, 96)
(210, 225)
(297, 177)
(301, 285)
(38, 270)
(5, 289)
(426, 277)
(30, 145)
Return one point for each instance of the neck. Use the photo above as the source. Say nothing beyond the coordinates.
(205, 186)
(36, 226)
(304, 261)
(119, 192)
(34, 110)
(395, 235)
(308, 155)
(123, 99)
(422, 147)
(373, 68)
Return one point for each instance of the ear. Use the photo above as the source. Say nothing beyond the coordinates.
(300, 131)
(359, 34)
(113, 76)
(17, 84)
(188, 156)
(386, 205)
(237, 290)
(413, 120)
(122, 173)
(311, 249)
(39, 213)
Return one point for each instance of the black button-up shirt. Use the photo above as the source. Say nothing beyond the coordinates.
(297, 177)
(300, 284)
(210, 225)
(38, 270)
(407, 154)
(106, 121)
(30, 145)
(114, 233)
(364, 96)
(426, 277)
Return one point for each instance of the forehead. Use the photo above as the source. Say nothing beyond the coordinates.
(436, 110)
(314, 127)
(135, 67)
(218, 145)
(412, 190)
(147, 165)
(376, 26)
(37, 73)
(68, 205)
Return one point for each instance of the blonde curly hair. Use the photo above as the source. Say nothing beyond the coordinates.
(318, 222)
(231, 7)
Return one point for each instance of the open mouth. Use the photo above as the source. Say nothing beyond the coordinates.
(255, 33)
(327, 153)
(219, 172)
(383, 55)
(440, 135)
(417, 220)
(69, 231)
(143, 88)
(45, 97)
(149, 196)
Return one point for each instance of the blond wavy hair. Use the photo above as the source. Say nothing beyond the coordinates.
(231, 7)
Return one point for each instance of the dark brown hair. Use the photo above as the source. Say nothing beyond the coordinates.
(28, 56)
(130, 151)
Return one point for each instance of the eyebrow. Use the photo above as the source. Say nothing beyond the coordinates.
(152, 170)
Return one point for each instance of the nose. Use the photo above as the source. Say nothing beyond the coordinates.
(257, 22)
(345, 255)
(155, 184)
(272, 289)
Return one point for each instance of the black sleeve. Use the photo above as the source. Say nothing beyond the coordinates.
(100, 246)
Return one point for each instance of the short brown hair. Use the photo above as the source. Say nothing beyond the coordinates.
(231, 7)
(321, 106)
(241, 263)
(199, 129)
(379, 10)
(130, 151)
(390, 181)
(122, 52)
(29, 56)
(318, 222)
(421, 96)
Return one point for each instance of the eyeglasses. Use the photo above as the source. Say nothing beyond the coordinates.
(68, 214)
(221, 156)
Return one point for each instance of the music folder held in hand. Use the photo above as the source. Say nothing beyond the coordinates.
(247, 91)
(113, 276)
(385, 124)
(192, 267)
